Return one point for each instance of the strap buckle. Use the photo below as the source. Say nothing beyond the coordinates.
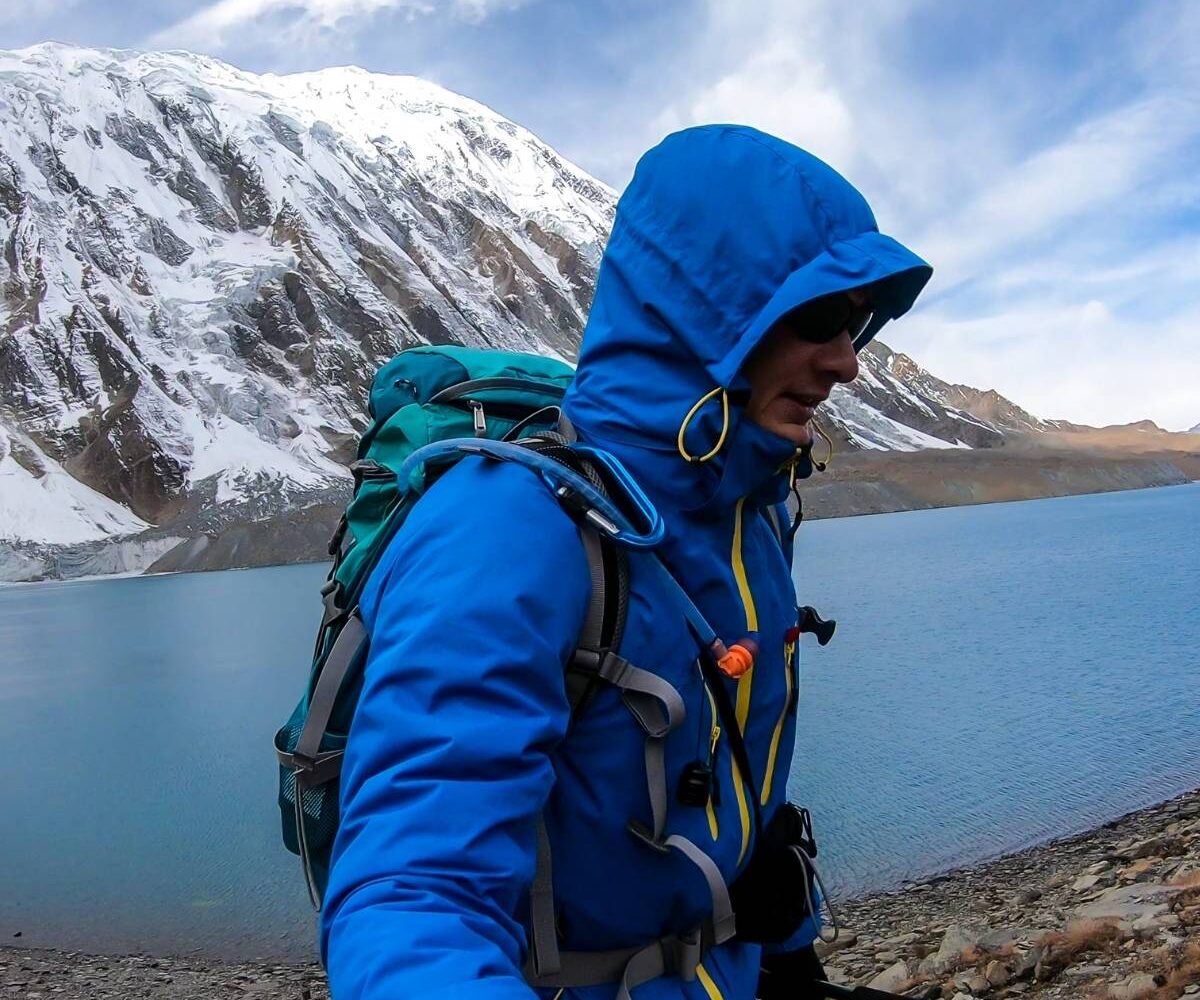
(646, 836)
(301, 763)
(682, 954)
(331, 594)
(335, 543)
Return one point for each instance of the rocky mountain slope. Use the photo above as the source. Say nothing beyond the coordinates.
(201, 268)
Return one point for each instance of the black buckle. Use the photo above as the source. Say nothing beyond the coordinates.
(682, 954)
(302, 763)
(587, 661)
(331, 594)
(335, 543)
(646, 836)
(806, 841)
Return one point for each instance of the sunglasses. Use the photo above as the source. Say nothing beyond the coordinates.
(820, 320)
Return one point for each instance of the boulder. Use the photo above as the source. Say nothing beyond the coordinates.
(1026, 962)
(1129, 903)
(891, 979)
(957, 938)
(1136, 986)
(845, 939)
(977, 985)
(997, 973)
(1161, 846)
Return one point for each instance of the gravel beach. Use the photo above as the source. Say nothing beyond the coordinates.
(1112, 914)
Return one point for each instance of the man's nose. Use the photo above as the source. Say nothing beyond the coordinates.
(838, 360)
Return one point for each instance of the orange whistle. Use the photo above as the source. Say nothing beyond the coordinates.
(737, 659)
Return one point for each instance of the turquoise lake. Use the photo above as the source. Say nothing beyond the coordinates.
(1002, 675)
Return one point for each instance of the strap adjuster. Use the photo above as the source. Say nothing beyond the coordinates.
(646, 836)
(588, 661)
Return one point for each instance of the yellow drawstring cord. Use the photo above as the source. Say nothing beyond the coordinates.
(822, 466)
(691, 414)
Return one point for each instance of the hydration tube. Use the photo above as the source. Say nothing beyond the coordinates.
(603, 514)
(600, 511)
(733, 660)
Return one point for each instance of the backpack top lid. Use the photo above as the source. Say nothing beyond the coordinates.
(418, 374)
(421, 396)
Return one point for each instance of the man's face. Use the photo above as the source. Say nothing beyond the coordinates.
(790, 376)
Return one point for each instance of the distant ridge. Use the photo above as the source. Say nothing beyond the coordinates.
(202, 268)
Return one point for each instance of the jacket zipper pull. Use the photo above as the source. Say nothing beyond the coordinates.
(480, 418)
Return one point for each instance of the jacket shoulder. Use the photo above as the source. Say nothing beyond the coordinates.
(496, 523)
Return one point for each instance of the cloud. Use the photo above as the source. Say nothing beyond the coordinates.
(36, 12)
(1048, 165)
(1080, 362)
(778, 93)
(298, 22)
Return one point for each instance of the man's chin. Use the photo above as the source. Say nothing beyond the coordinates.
(800, 435)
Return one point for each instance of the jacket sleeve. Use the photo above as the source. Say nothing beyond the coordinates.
(472, 614)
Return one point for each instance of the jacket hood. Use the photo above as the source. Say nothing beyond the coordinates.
(722, 231)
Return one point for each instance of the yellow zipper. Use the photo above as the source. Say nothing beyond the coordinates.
(788, 651)
(710, 987)
(714, 736)
(739, 572)
(744, 685)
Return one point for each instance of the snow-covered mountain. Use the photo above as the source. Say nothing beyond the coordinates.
(203, 267)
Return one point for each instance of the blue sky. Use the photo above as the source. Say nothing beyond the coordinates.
(1044, 157)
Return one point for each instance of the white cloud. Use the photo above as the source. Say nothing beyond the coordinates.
(1092, 171)
(779, 93)
(1046, 198)
(36, 11)
(298, 22)
(1083, 363)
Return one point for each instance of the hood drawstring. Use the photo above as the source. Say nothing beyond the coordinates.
(822, 466)
(691, 415)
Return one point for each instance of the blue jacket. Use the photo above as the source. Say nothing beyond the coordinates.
(458, 742)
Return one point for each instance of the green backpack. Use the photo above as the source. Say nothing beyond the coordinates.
(429, 407)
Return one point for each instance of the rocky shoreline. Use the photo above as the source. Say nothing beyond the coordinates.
(1112, 914)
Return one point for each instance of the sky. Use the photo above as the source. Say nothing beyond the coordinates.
(1045, 158)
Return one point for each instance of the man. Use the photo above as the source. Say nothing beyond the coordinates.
(741, 276)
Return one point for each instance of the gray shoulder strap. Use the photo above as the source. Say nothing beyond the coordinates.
(543, 934)
(592, 633)
(351, 641)
(591, 636)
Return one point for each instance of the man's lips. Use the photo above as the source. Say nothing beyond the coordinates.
(810, 400)
(801, 406)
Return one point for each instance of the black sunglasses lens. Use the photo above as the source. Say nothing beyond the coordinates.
(823, 319)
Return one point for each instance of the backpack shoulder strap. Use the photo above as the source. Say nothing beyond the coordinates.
(608, 566)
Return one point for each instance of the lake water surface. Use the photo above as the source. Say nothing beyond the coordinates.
(1001, 675)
